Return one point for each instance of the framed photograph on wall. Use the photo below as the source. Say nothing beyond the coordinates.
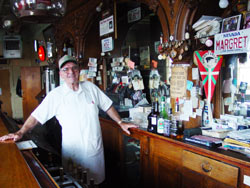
(247, 20)
(231, 23)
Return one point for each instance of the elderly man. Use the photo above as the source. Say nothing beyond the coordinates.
(76, 105)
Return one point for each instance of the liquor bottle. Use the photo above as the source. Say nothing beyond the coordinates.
(205, 117)
(61, 179)
(162, 116)
(152, 118)
(177, 108)
(84, 177)
(163, 108)
(177, 129)
(180, 130)
(64, 49)
(167, 122)
(174, 128)
(91, 183)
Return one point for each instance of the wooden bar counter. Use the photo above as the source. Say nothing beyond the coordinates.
(20, 168)
(14, 171)
(170, 163)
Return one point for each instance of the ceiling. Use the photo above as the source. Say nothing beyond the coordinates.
(6, 13)
(4, 7)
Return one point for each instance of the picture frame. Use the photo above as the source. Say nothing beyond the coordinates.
(231, 24)
(247, 20)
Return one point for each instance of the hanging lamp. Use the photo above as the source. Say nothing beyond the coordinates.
(38, 11)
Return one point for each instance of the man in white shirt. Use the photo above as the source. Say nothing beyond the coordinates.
(76, 106)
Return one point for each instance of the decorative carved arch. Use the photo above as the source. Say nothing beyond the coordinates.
(60, 38)
(79, 22)
(76, 24)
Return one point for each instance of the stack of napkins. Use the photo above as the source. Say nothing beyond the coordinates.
(207, 26)
(220, 133)
(26, 145)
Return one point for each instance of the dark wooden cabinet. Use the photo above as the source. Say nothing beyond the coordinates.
(170, 163)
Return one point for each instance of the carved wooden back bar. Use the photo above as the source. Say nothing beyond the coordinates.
(176, 18)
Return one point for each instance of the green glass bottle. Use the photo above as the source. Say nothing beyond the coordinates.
(162, 116)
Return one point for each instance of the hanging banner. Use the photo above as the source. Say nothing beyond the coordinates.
(209, 65)
(232, 42)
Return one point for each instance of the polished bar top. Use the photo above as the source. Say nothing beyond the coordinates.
(14, 171)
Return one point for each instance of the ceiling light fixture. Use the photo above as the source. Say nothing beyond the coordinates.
(223, 3)
(99, 7)
(39, 11)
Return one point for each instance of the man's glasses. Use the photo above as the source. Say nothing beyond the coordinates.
(73, 69)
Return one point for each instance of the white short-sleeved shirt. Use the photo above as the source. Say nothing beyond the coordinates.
(77, 113)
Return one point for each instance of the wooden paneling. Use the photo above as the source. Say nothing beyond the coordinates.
(217, 170)
(5, 95)
(31, 87)
(168, 173)
(166, 162)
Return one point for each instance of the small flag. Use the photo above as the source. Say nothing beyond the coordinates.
(209, 65)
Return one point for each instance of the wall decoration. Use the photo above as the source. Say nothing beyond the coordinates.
(234, 42)
(231, 24)
(107, 44)
(106, 25)
(178, 82)
(209, 65)
(134, 15)
(247, 20)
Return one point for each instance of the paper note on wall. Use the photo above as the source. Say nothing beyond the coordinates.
(195, 74)
(187, 107)
(178, 82)
(195, 102)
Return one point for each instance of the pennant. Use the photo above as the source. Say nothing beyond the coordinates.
(209, 65)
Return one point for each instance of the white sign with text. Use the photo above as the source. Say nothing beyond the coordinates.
(232, 42)
(106, 25)
(107, 44)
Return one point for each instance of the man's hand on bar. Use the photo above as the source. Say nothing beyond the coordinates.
(12, 136)
(125, 126)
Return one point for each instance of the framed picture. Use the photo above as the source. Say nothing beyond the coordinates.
(231, 23)
(247, 20)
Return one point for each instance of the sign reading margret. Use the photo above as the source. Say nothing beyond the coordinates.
(232, 42)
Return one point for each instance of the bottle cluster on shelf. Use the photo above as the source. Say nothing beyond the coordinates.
(161, 119)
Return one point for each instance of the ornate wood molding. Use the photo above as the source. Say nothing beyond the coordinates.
(75, 25)
(153, 5)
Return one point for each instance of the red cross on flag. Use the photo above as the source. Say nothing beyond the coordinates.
(209, 65)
